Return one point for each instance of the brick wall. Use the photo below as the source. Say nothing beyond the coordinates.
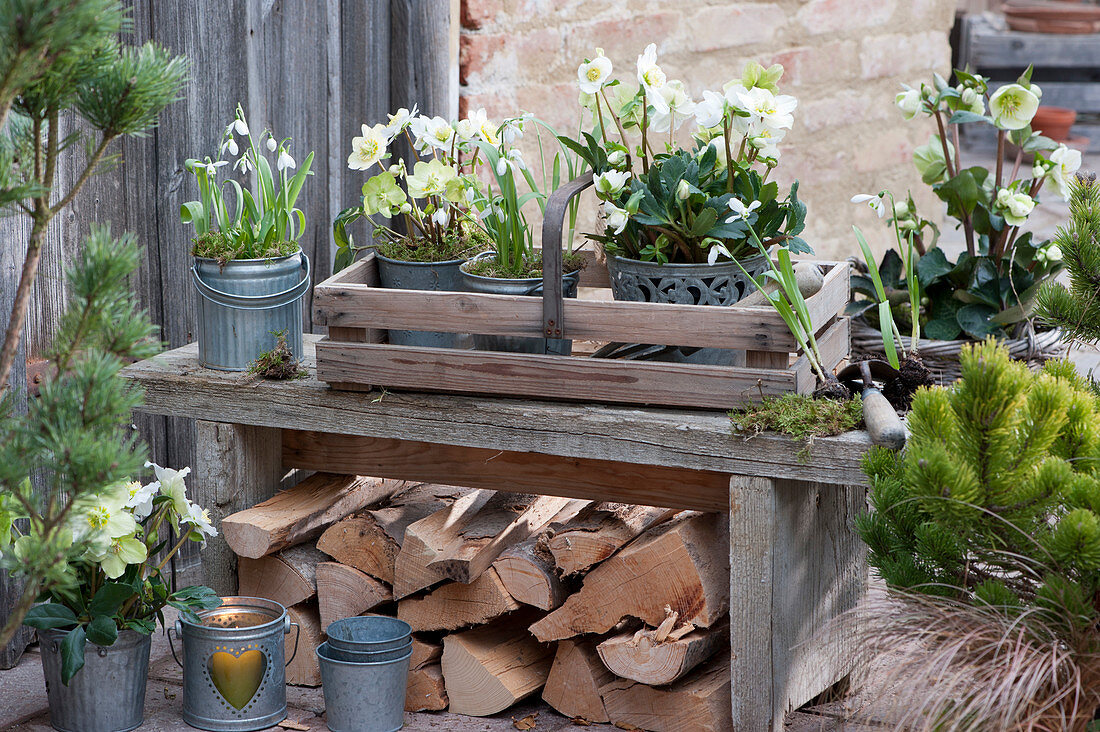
(844, 59)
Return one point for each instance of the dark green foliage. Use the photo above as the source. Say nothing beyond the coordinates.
(1076, 309)
(994, 500)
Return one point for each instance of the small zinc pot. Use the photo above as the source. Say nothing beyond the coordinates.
(399, 275)
(368, 633)
(721, 284)
(363, 697)
(108, 694)
(244, 303)
(234, 667)
(528, 286)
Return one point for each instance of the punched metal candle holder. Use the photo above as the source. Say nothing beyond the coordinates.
(234, 674)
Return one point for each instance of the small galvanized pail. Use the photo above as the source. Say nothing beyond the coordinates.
(244, 303)
(108, 694)
(398, 275)
(363, 697)
(234, 674)
(369, 633)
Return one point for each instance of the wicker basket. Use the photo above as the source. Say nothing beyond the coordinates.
(942, 357)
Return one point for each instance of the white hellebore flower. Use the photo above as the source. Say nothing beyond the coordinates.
(615, 217)
(1012, 107)
(710, 111)
(593, 74)
(610, 184)
(271, 144)
(141, 498)
(1015, 206)
(434, 132)
(616, 158)
(399, 120)
(877, 204)
(909, 102)
(1065, 162)
(971, 100)
(199, 518)
(740, 210)
(773, 111)
(171, 484)
(766, 139)
(680, 107)
(368, 149)
(285, 161)
(734, 90)
(652, 78)
(466, 129)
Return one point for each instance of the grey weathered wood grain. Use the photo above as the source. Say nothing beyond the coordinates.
(795, 566)
(238, 466)
(701, 440)
(990, 47)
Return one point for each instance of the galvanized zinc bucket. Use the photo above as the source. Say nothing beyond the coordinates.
(244, 303)
(398, 275)
(363, 697)
(368, 633)
(234, 674)
(108, 694)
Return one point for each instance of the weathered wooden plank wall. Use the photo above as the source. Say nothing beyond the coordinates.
(311, 70)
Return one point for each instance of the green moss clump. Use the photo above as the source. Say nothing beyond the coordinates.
(279, 363)
(453, 246)
(800, 416)
(527, 268)
(221, 248)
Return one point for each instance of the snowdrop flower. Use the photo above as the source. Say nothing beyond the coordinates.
(368, 149)
(271, 145)
(593, 74)
(652, 78)
(212, 168)
(909, 102)
(1015, 207)
(441, 217)
(510, 160)
(240, 125)
(513, 128)
(610, 184)
(243, 164)
(199, 519)
(141, 497)
(740, 210)
(875, 202)
(715, 250)
(616, 218)
(1012, 107)
(710, 111)
(1065, 162)
(774, 111)
(231, 146)
(285, 161)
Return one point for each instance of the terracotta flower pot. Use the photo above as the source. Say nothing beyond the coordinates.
(1036, 16)
(1054, 122)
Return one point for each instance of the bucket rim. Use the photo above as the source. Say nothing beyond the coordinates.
(248, 261)
(352, 645)
(321, 658)
(391, 260)
(244, 601)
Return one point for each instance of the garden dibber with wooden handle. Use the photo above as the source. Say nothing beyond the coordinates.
(883, 423)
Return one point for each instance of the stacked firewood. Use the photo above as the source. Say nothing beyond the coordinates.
(616, 613)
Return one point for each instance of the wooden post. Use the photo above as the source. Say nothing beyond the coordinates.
(237, 466)
(795, 565)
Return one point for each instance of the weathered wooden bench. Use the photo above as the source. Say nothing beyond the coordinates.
(795, 562)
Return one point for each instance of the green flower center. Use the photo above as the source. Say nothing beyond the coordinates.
(98, 517)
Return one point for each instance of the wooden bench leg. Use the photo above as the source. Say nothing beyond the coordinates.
(237, 466)
(795, 565)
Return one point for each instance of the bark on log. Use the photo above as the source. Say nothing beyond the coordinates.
(491, 667)
(681, 563)
(599, 531)
(303, 669)
(455, 605)
(573, 686)
(700, 702)
(344, 592)
(371, 540)
(288, 577)
(301, 513)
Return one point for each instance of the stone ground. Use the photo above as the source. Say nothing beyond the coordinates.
(23, 696)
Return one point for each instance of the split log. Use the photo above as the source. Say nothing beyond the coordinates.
(371, 540)
(288, 577)
(301, 513)
(455, 605)
(426, 691)
(303, 669)
(649, 658)
(344, 592)
(528, 573)
(462, 541)
(700, 702)
(573, 686)
(424, 653)
(681, 563)
(601, 530)
(491, 667)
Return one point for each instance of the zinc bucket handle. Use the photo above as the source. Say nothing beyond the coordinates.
(297, 635)
(253, 302)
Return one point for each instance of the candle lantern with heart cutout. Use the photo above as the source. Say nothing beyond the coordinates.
(234, 667)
